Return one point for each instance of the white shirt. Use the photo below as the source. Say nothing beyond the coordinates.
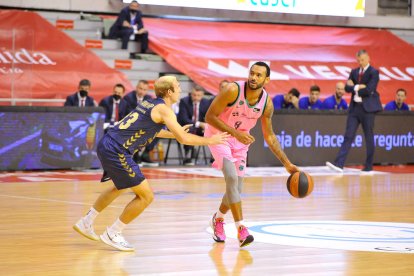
(357, 98)
(81, 99)
(197, 124)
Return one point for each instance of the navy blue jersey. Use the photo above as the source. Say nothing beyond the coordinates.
(137, 129)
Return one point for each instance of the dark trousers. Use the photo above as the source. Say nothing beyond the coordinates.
(125, 33)
(356, 116)
(187, 148)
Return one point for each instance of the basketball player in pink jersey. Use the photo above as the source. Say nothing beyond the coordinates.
(236, 110)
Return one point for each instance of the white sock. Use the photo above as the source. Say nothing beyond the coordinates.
(238, 223)
(117, 227)
(220, 214)
(91, 216)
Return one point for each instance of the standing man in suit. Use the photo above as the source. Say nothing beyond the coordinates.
(114, 105)
(81, 98)
(129, 25)
(132, 99)
(365, 102)
(193, 109)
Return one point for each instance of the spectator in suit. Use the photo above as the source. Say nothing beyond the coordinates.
(287, 101)
(365, 102)
(311, 102)
(115, 108)
(137, 96)
(399, 103)
(81, 97)
(336, 101)
(132, 99)
(129, 25)
(114, 105)
(192, 110)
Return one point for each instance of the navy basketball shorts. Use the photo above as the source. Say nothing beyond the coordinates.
(118, 164)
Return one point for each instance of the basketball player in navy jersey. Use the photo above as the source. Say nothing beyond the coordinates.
(115, 151)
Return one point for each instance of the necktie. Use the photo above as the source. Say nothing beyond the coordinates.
(82, 102)
(361, 73)
(116, 112)
(195, 113)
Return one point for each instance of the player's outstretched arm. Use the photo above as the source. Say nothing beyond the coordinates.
(271, 139)
(163, 114)
(169, 135)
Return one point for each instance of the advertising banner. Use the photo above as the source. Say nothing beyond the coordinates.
(299, 56)
(38, 61)
(310, 138)
(317, 7)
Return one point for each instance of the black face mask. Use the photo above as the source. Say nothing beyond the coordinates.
(83, 93)
(134, 12)
(116, 97)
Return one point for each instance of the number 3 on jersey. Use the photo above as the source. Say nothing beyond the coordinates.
(128, 121)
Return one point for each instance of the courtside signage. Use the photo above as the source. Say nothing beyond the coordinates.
(354, 8)
(346, 235)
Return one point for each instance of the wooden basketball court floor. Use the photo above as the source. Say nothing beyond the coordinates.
(352, 224)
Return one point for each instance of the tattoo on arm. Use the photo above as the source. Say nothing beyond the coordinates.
(270, 136)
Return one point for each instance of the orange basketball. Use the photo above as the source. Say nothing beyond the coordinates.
(300, 184)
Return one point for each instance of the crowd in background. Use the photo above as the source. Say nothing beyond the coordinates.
(193, 108)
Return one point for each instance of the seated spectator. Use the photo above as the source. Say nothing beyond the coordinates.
(399, 103)
(137, 96)
(81, 97)
(336, 101)
(132, 99)
(129, 26)
(311, 102)
(114, 105)
(287, 101)
(192, 110)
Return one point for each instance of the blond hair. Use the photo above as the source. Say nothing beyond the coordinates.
(162, 85)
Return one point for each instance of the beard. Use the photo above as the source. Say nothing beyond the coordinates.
(255, 86)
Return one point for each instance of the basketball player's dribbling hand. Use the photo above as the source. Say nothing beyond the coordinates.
(220, 138)
(244, 137)
(291, 168)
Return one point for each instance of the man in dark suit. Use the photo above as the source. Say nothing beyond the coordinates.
(129, 25)
(132, 99)
(365, 102)
(137, 96)
(114, 105)
(115, 108)
(81, 97)
(192, 110)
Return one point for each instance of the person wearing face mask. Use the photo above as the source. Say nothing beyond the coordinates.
(81, 98)
(129, 25)
(114, 105)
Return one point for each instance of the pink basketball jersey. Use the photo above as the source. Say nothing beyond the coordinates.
(240, 114)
